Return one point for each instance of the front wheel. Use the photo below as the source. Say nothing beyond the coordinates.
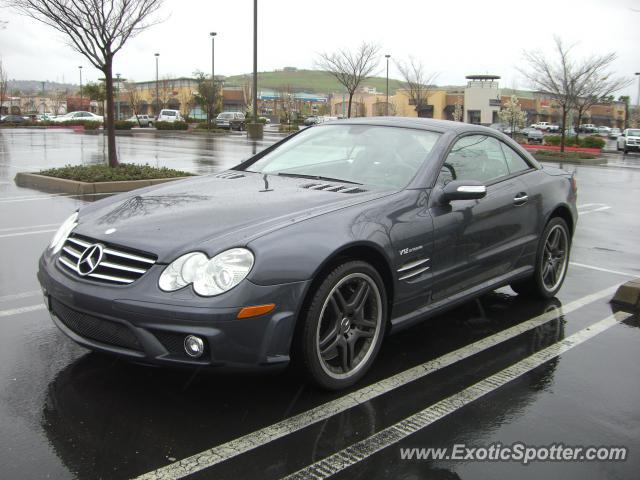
(552, 261)
(343, 326)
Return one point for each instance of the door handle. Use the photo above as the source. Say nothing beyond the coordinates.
(520, 199)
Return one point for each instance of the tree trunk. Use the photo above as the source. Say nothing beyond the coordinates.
(578, 126)
(109, 122)
(563, 133)
(349, 107)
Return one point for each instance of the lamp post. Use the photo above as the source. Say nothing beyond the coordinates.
(255, 61)
(638, 97)
(157, 91)
(80, 69)
(118, 96)
(213, 73)
(387, 104)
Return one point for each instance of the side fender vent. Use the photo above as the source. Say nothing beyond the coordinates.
(328, 187)
(230, 175)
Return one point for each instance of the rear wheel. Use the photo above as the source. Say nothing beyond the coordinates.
(551, 262)
(343, 326)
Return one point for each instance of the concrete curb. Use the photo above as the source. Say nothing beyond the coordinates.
(628, 295)
(61, 185)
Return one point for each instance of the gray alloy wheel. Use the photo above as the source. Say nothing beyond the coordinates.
(551, 262)
(344, 325)
(555, 257)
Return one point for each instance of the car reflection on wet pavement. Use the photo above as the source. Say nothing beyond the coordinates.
(68, 413)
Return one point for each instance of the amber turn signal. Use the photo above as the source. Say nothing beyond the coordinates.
(256, 310)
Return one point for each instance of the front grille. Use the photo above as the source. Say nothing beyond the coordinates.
(116, 265)
(98, 329)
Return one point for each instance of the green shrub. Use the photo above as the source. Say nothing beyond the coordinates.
(103, 173)
(123, 125)
(584, 142)
(171, 126)
(556, 155)
(592, 142)
(87, 124)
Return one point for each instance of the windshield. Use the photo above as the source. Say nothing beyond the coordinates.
(364, 154)
(634, 133)
(168, 113)
(225, 116)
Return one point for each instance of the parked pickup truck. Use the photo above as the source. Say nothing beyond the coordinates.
(588, 128)
(546, 127)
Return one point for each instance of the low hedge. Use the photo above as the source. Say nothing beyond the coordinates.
(585, 142)
(205, 126)
(103, 173)
(555, 155)
(171, 125)
(124, 125)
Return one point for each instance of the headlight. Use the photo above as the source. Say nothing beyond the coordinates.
(63, 232)
(209, 276)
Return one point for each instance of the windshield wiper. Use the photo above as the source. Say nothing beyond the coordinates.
(316, 177)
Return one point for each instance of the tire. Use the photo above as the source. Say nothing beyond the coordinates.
(545, 283)
(342, 327)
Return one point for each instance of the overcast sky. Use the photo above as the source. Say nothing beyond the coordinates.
(452, 38)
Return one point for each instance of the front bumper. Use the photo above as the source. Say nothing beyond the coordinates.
(140, 322)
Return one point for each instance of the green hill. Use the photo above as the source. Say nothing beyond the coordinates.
(313, 81)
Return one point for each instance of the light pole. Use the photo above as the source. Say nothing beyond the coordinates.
(213, 73)
(80, 69)
(255, 61)
(157, 91)
(118, 96)
(638, 97)
(387, 104)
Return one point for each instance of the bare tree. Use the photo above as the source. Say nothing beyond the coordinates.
(418, 83)
(97, 29)
(563, 79)
(207, 96)
(597, 87)
(458, 110)
(513, 115)
(3, 85)
(58, 100)
(350, 69)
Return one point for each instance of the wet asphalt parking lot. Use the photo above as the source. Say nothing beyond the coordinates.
(497, 370)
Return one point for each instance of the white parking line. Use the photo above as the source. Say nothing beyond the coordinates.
(25, 198)
(16, 311)
(14, 229)
(258, 438)
(600, 269)
(17, 296)
(600, 209)
(363, 449)
(20, 234)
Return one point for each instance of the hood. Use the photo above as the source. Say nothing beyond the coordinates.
(213, 212)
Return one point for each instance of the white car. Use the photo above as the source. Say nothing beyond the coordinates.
(142, 120)
(604, 131)
(629, 140)
(74, 116)
(546, 127)
(167, 115)
(614, 133)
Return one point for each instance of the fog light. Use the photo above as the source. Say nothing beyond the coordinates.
(194, 346)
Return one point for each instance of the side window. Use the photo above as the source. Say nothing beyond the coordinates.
(515, 162)
(474, 157)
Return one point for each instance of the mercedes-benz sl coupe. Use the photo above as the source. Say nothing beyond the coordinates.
(313, 250)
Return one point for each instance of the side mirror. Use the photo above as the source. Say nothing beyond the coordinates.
(463, 190)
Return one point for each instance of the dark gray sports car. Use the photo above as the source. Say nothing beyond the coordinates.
(312, 250)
